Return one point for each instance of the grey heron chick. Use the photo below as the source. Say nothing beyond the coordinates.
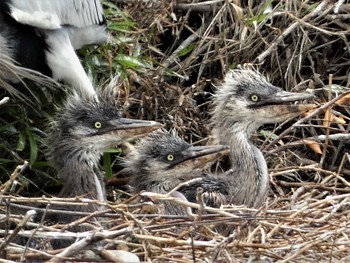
(162, 160)
(245, 101)
(42, 36)
(81, 131)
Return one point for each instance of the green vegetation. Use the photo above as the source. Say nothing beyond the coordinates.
(170, 56)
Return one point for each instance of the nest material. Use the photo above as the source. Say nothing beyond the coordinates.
(298, 45)
(303, 227)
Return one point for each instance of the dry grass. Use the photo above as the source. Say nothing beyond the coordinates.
(299, 45)
(305, 226)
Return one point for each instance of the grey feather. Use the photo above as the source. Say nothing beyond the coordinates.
(151, 170)
(76, 143)
(10, 72)
(244, 102)
(65, 25)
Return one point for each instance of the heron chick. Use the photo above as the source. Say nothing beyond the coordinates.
(162, 160)
(81, 131)
(245, 101)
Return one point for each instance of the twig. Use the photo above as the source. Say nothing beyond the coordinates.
(308, 186)
(50, 234)
(29, 215)
(173, 241)
(4, 100)
(73, 201)
(93, 237)
(187, 183)
(339, 137)
(205, 6)
(118, 256)
(327, 122)
(19, 169)
(6, 261)
(182, 202)
(173, 57)
(289, 30)
(296, 124)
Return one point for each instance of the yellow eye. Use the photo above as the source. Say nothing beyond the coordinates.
(170, 157)
(98, 125)
(254, 98)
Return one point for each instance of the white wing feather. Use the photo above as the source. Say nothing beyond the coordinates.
(52, 14)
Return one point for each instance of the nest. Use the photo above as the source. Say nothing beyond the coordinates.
(312, 224)
(299, 46)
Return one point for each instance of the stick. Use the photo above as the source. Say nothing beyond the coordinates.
(4, 100)
(289, 30)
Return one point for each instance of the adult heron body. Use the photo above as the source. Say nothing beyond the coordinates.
(42, 35)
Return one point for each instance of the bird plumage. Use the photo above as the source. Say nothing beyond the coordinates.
(245, 101)
(54, 14)
(42, 36)
(214, 190)
(10, 72)
(79, 134)
(162, 160)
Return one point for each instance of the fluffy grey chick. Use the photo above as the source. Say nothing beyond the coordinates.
(162, 160)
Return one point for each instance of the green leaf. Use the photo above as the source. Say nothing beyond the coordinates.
(260, 16)
(123, 26)
(310, 8)
(107, 164)
(130, 62)
(268, 134)
(114, 7)
(113, 150)
(21, 144)
(4, 161)
(337, 89)
(33, 147)
(41, 164)
(186, 50)
(120, 40)
(9, 128)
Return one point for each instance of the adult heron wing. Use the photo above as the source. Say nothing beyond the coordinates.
(10, 72)
(52, 14)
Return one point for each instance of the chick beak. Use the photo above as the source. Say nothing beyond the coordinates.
(129, 129)
(282, 98)
(280, 108)
(198, 156)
